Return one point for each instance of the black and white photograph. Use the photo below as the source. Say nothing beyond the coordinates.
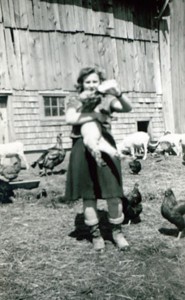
(92, 149)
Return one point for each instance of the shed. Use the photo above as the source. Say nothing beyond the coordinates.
(44, 43)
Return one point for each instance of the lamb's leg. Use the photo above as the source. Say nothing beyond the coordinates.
(132, 151)
(25, 160)
(2, 158)
(145, 152)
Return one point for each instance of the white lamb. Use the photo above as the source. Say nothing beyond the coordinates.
(13, 148)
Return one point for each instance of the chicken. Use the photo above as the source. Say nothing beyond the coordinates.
(6, 192)
(51, 157)
(132, 206)
(135, 166)
(183, 159)
(11, 171)
(42, 193)
(173, 211)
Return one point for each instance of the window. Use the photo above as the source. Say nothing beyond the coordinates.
(54, 106)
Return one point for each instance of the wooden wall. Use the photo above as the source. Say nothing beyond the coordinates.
(177, 51)
(45, 43)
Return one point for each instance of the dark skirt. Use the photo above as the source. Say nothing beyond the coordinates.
(88, 181)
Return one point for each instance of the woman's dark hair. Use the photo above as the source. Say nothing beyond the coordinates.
(86, 72)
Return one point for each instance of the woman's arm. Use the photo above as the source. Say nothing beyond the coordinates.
(121, 104)
(73, 117)
(76, 118)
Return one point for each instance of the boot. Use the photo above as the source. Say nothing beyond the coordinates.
(118, 237)
(97, 240)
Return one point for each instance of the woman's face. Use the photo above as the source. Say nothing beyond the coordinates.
(91, 82)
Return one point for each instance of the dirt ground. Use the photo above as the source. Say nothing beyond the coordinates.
(44, 257)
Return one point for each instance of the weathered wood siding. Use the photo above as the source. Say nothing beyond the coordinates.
(45, 43)
(177, 50)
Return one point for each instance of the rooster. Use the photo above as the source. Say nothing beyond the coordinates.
(173, 211)
(51, 157)
(132, 206)
(135, 166)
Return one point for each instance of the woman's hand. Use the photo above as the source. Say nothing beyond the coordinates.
(87, 95)
(109, 87)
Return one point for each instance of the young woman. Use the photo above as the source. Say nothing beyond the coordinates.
(85, 179)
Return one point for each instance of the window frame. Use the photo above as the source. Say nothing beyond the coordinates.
(51, 119)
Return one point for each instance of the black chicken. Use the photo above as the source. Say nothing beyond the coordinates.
(183, 159)
(135, 166)
(173, 211)
(11, 171)
(132, 206)
(51, 157)
(6, 192)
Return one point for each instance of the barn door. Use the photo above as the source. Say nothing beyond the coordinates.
(3, 121)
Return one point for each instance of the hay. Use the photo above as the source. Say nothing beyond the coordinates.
(42, 259)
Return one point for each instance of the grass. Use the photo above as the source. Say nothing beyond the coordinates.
(41, 257)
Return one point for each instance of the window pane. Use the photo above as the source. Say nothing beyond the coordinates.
(47, 112)
(54, 111)
(46, 101)
(54, 101)
(61, 111)
(61, 106)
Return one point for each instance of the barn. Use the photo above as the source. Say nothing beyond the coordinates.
(44, 43)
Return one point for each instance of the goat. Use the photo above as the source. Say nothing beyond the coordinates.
(13, 148)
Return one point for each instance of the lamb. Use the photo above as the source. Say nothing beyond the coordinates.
(13, 148)
(133, 142)
(92, 131)
(174, 139)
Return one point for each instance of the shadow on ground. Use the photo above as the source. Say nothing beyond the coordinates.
(82, 232)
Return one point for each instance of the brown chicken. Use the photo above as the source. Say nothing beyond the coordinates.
(10, 172)
(51, 157)
(173, 211)
(132, 206)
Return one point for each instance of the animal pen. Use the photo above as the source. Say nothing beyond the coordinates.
(44, 43)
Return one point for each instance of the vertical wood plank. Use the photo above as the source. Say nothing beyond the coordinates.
(55, 12)
(5, 13)
(47, 61)
(4, 74)
(55, 59)
(44, 16)
(62, 16)
(166, 74)
(37, 61)
(157, 69)
(137, 78)
(29, 9)
(18, 58)
(11, 60)
(130, 63)
(78, 15)
(12, 16)
(25, 58)
(69, 15)
(37, 14)
(1, 15)
(23, 14)
(17, 13)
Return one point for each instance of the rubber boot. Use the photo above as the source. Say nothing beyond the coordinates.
(118, 237)
(97, 240)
